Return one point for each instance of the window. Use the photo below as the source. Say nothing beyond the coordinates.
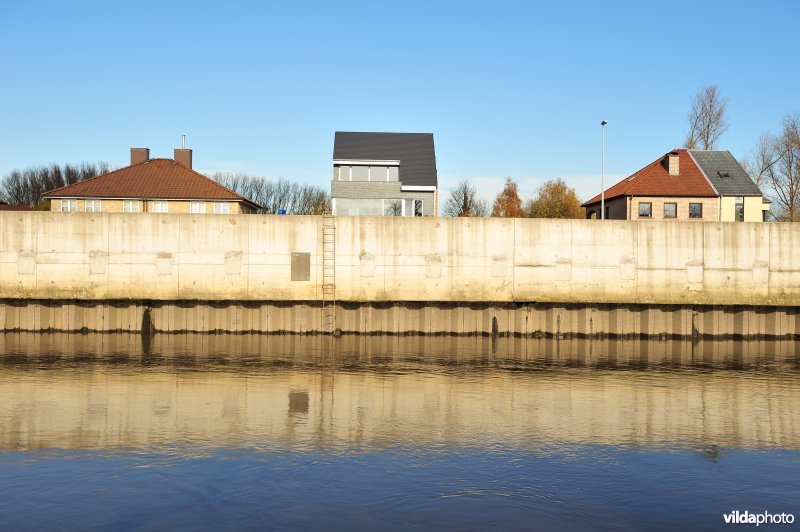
(360, 173)
(645, 209)
(392, 207)
(695, 210)
(394, 173)
(670, 210)
(377, 173)
(222, 208)
(739, 209)
(130, 205)
(344, 173)
(197, 207)
(412, 207)
(92, 205)
(358, 207)
(69, 205)
(160, 206)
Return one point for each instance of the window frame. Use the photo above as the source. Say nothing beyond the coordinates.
(361, 178)
(71, 205)
(218, 207)
(378, 170)
(649, 209)
(738, 209)
(197, 207)
(160, 207)
(700, 217)
(674, 213)
(130, 203)
(413, 206)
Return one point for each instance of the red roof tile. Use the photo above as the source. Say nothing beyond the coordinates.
(154, 178)
(7, 207)
(654, 180)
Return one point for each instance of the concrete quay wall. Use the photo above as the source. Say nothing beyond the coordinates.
(175, 257)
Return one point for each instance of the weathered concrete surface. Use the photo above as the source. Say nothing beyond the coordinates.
(176, 257)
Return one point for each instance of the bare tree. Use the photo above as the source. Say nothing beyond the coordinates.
(760, 163)
(27, 186)
(706, 119)
(275, 196)
(784, 176)
(463, 201)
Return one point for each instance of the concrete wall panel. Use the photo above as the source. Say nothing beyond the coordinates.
(110, 256)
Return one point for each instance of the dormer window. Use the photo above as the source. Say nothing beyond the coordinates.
(724, 174)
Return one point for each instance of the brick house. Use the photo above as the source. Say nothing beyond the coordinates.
(685, 185)
(151, 185)
(384, 174)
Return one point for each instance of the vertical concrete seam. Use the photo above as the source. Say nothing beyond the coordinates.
(636, 261)
(181, 220)
(571, 256)
(385, 242)
(247, 243)
(514, 259)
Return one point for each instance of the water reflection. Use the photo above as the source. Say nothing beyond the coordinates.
(243, 351)
(305, 392)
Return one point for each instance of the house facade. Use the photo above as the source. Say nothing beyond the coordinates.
(692, 185)
(151, 185)
(384, 174)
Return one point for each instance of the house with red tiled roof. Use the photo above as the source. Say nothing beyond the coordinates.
(151, 185)
(14, 207)
(685, 185)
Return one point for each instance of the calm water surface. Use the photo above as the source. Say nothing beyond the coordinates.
(186, 432)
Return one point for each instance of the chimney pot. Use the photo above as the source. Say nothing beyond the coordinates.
(139, 155)
(672, 163)
(183, 157)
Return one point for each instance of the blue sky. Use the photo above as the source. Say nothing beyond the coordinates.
(507, 88)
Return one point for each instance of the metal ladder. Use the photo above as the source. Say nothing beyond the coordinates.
(328, 273)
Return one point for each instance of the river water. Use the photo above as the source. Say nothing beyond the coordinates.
(190, 432)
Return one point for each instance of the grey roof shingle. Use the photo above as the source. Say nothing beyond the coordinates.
(725, 173)
(415, 151)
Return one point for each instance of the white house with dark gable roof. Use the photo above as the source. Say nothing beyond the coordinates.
(384, 174)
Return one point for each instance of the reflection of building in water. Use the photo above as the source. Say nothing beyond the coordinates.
(376, 392)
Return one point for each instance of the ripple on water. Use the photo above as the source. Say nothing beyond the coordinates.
(380, 435)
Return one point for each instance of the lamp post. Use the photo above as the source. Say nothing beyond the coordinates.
(603, 171)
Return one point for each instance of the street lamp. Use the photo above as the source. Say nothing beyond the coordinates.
(603, 172)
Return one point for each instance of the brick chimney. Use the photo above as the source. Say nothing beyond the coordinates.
(672, 163)
(183, 156)
(139, 155)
